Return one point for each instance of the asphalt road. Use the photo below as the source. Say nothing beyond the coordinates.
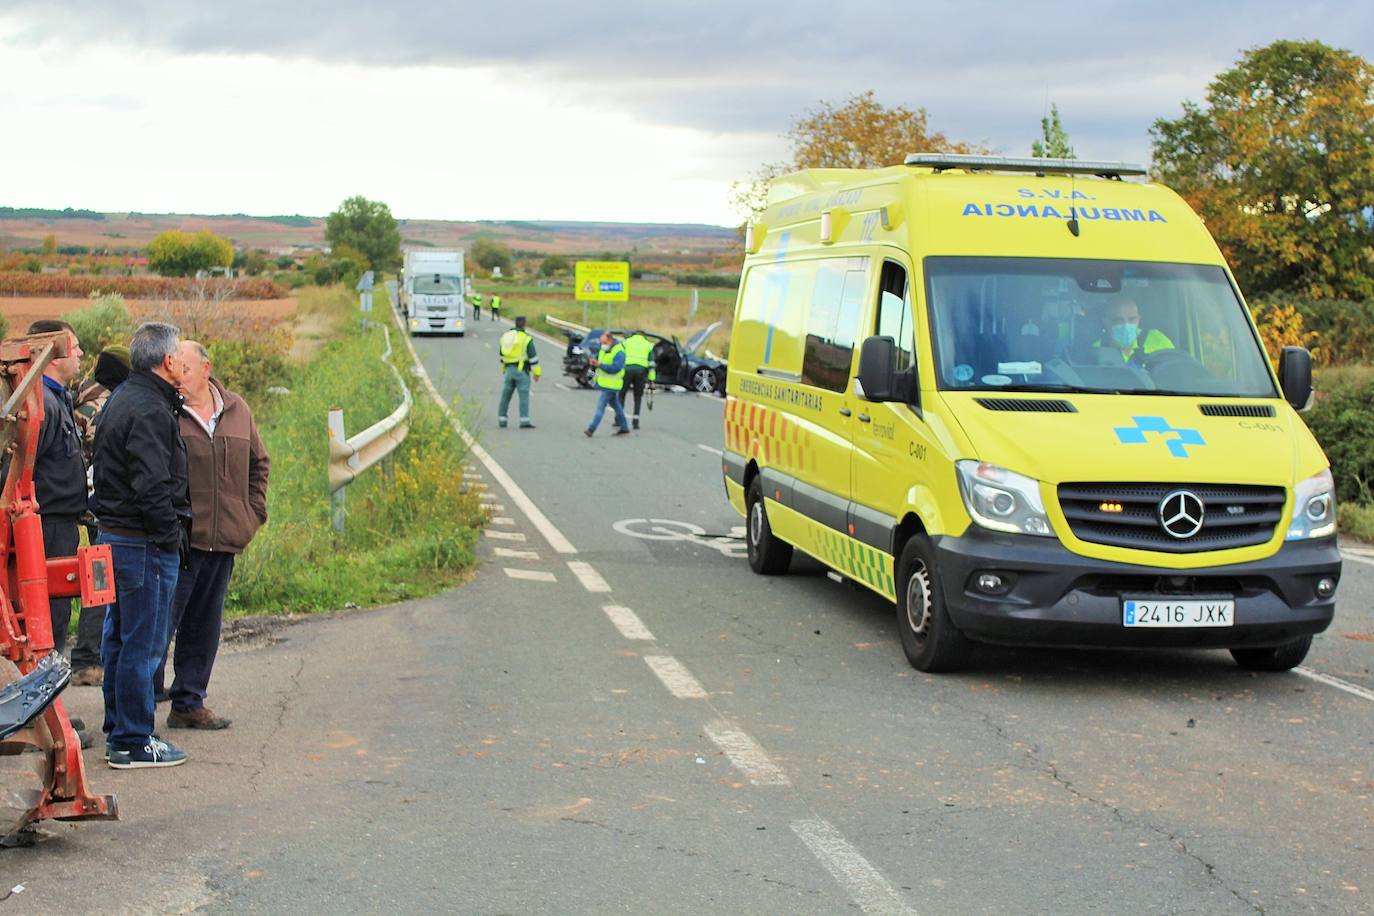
(616, 715)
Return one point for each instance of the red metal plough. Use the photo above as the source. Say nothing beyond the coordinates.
(42, 775)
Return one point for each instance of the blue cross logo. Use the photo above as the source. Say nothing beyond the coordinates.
(1178, 446)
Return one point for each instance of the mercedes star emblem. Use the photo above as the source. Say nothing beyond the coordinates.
(1181, 514)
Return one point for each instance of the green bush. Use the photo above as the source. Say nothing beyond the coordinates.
(1344, 328)
(717, 281)
(250, 368)
(105, 321)
(1343, 422)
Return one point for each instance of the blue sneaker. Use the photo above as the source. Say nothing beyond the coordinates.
(156, 753)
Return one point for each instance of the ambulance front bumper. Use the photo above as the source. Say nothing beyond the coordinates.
(1048, 596)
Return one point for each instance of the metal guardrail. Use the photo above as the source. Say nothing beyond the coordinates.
(565, 325)
(349, 457)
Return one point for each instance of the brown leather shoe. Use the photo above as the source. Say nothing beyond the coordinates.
(196, 718)
(88, 677)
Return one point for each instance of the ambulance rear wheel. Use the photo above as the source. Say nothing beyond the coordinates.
(768, 554)
(929, 637)
(1274, 658)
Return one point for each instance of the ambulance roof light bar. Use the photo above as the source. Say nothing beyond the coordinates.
(942, 161)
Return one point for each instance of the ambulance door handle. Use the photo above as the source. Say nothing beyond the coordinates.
(845, 412)
(865, 418)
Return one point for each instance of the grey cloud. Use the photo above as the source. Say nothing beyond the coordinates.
(982, 68)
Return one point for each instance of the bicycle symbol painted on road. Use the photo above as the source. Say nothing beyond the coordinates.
(666, 529)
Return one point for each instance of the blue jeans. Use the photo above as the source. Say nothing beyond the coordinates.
(135, 635)
(605, 397)
(514, 381)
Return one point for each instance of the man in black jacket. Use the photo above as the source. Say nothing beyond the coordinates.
(144, 509)
(59, 483)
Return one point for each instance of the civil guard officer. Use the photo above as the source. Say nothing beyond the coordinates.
(519, 360)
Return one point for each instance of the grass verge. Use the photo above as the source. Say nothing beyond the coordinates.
(410, 529)
(1356, 520)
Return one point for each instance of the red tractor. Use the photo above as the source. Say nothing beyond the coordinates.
(42, 775)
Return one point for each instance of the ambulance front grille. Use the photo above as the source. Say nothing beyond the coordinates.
(1128, 515)
(1027, 405)
(1237, 410)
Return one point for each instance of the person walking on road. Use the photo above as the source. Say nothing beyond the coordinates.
(495, 307)
(144, 508)
(639, 369)
(227, 466)
(476, 306)
(519, 361)
(610, 379)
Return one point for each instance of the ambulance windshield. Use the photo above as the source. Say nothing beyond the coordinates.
(1128, 327)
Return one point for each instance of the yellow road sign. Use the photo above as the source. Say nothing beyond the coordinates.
(602, 281)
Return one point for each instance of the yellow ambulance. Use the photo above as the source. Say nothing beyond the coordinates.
(1024, 400)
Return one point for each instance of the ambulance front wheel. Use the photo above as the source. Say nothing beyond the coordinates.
(929, 637)
(768, 555)
(1274, 658)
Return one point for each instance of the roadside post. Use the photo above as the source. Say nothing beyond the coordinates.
(692, 312)
(364, 288)
(601, 281)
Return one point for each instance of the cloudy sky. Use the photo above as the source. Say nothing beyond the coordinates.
(627, 110)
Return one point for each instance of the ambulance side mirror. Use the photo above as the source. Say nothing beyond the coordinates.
(1295, 377)
(877, 369)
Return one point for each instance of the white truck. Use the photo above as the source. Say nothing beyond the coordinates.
(432, 292)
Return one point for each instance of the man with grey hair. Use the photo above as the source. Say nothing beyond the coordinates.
(143, 506)
(227, 465)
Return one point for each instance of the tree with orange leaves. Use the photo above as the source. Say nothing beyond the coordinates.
(860, 134)
(1280, 164)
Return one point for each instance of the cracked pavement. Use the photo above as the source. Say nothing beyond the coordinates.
(450, 754)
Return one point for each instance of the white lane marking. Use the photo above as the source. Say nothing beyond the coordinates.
(469, 475)
(591, 579)
(1363, 693)
(714, 451)
(531, 575)
(1347, 555)
(505, 535)
(676, 677)
(502, 520)
(561, 387)
(495, 507)
(551, 534)
(865, 884)
(515, 554)
(746, 754)
(714, 397)
(627, 622)
(487, 497)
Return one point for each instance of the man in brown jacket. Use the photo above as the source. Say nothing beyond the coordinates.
(227, 466)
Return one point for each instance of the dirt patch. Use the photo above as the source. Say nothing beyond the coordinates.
(262, 630)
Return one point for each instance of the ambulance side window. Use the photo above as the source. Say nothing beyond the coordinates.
(894, 313)
(833, 322)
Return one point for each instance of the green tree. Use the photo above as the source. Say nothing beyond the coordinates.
(49, 243)
(366, 226)
(1054, 140)
(861, 133)
(180, 254)
(554, 264)
(490, 254)
(1280, 164)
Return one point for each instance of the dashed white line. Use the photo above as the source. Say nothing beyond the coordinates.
(505, 535)
(1363, 693)
(714, 451)
(591, 579)
(675, 677)
(866, 886)
(561, 387)
(495, 507)
(502, 520)
(746, 754)
(537, 518)
(627, 622)
(515, 554)
(531, 575)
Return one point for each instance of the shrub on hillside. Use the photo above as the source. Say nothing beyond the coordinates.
(717, 281)
(105, 321)
(1343, 422)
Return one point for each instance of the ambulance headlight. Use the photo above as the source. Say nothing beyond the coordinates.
(1002, 500)
(1314, 508)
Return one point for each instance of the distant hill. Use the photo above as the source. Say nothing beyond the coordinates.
(25, 227)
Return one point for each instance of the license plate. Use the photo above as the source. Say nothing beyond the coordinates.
(1185, 612)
